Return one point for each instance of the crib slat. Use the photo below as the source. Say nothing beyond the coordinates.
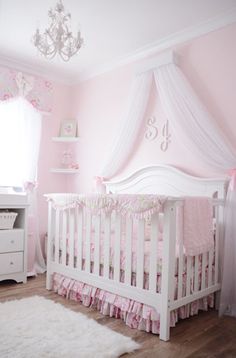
(189, 274)
(216, 245)
(57, 236)
(128, 250)
(196, 267)
(88, 242)
(117, 248)
(204, 261)
(79, 220)
(107, 245)
(180, 268)
(153, 253)
(140, 254)
(97, 245)
(210, 258)
(71, 236)
(64, 236)
(50, 233)
(50, 238)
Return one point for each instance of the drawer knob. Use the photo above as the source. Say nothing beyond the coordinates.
(11, 263)
(12, 241)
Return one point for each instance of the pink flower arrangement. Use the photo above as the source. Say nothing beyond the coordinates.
(74, 166)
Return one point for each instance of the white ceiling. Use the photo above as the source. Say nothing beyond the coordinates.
(113, 30)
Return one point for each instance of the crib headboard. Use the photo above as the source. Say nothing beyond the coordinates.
(168, 180)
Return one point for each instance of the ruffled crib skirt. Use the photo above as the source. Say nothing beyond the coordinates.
(134, 314)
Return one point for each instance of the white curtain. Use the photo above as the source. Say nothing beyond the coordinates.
(38, 264)
(132, 121)
(199, 134)
(20, 134)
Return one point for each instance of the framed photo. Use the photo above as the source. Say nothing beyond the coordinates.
(68, 128)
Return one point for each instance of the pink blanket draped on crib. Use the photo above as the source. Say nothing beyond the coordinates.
(196, 218)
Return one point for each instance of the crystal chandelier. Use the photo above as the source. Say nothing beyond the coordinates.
(58, 38)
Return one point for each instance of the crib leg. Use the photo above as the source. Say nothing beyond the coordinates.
(51, 225)
(217, 300)
(165, 325)
(49, 280)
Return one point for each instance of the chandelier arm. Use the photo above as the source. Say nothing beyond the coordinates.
(72, 53)
(64, 58)
(48, 52)
(49, 35)
(49, 55)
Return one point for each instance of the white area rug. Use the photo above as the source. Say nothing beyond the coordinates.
(36, 327)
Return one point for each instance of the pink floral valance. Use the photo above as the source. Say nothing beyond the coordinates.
(137, 206)
(36, 90)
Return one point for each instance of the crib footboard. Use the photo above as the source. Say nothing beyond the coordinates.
(133, 257)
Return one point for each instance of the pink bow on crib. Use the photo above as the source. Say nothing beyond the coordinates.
(232, 184)
(99, 184)
(99, 180)
(30, 186)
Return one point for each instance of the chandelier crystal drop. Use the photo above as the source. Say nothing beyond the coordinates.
(58, 38)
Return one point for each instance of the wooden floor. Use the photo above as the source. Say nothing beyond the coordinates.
(200, 336)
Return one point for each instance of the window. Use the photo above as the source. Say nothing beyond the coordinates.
(20, 130)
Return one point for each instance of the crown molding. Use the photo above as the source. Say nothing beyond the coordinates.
(59, 76)
(164, 58)
(186, 35)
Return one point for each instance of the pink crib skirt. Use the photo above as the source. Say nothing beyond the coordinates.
(134, 314)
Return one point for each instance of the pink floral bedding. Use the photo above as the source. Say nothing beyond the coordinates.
(134, 254)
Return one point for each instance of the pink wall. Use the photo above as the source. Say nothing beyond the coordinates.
(50, 152)
(99, 105)
(209, 64)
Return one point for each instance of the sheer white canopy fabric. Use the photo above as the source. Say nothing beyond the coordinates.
(132, 121)
(190, 120)
(199, 134)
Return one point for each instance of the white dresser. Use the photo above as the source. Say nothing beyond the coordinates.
(13, 242)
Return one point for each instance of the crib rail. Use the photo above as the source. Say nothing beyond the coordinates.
(100, 250)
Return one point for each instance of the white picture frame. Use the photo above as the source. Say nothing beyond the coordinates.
(68, 128)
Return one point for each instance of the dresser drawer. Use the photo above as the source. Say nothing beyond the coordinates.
(10, 263)
(11, 240)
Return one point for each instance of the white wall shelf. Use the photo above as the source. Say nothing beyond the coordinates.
(65, 139)
(64, 170)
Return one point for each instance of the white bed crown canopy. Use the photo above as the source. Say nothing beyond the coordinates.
(196, 129)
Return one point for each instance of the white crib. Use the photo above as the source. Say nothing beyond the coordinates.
(70, 227)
